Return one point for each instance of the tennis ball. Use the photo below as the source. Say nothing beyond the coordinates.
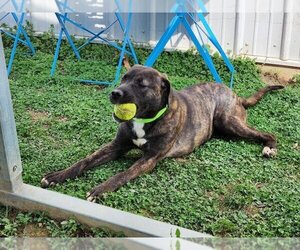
(125, 111)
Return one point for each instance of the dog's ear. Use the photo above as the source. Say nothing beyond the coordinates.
(165, 84)
(166, 87)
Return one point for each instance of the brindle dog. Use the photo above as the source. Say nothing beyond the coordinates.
(193, 115)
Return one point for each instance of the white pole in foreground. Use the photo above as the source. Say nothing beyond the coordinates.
(10, 160)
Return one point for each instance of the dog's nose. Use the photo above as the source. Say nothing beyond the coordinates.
(116, 94)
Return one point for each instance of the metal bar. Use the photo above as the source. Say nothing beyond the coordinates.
(56, 54)
(14, 37)
(28, 42)
(80, 26)
(113, 44)
(63, 6)
(68, 36)
(63, 206)
(97, 35)
(126, 38)
(14, 49)
(95, 82)
(202, 6)
(224, 56)
(198, 28)
(215, 42)
(163, 41)
(4, 16)
(203, 52)
(15, 5)
(122, 25)
(165, 244)
(10, 160)
(21, 9)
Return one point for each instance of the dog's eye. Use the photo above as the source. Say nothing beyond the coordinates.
(141, 83)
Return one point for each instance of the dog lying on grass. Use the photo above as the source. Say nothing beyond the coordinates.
(191, 117)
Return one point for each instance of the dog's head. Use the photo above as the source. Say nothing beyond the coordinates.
(145, 87)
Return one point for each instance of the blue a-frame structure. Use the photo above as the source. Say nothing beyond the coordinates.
(18, 16)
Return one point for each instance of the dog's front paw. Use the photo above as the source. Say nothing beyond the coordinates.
(96, 193)
(269, 152)
(53, 179)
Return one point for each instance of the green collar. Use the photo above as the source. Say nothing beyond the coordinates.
(149, 120)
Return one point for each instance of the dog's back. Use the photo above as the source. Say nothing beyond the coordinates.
(200, 104)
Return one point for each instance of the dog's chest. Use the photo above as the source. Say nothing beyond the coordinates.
(138, 130)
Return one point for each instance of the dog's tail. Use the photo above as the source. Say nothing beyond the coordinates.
(252, 100)
(126, 63)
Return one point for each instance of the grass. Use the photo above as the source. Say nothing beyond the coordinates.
(224, 188)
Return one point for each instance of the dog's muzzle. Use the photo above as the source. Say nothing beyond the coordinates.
(116, 95)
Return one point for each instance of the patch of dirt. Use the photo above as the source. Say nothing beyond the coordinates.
(273, 79)
(63, 119)
(210, 194)
(273, 75)
(38, 115)
(251, 210)
(222, 202)
(34, 230)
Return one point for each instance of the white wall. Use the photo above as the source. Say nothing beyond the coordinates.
(266, 29)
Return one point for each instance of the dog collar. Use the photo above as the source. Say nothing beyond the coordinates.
(149, 120)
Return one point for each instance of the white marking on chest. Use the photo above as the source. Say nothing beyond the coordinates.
(138, 129)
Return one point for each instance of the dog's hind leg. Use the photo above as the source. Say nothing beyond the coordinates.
(108, 153)
(234, 126)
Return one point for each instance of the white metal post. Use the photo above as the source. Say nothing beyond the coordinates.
(10, 160)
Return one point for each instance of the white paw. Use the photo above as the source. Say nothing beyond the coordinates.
(269, 152)
(90, 198)
(45, 182)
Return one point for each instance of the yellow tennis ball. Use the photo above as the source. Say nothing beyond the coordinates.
(125, 111)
